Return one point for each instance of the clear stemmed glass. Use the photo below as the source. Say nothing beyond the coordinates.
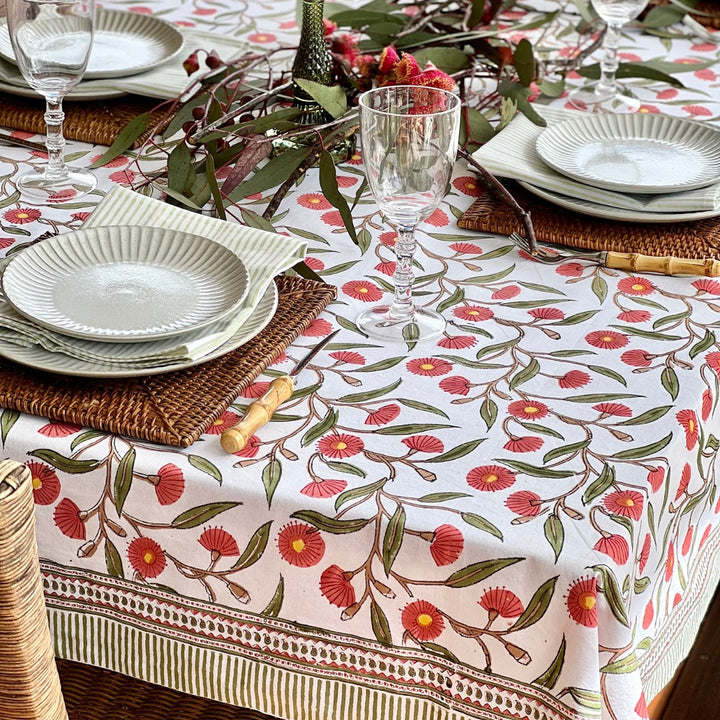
(51, 40)
(409, 143)
(605, 92)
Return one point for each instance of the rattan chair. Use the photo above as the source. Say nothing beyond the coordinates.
(29, 681)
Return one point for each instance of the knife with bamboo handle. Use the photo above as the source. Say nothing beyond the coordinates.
(261, 410)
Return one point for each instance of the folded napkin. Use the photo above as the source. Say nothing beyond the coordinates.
(165, 81)
(512, 154)
(264, 255)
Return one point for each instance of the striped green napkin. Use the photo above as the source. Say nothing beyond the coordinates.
(512, 154)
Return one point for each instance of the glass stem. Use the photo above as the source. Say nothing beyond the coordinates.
(55, 141)
(402, 307)
(609, 63)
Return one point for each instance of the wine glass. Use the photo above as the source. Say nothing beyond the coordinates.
(51, 40)
(605, 92)
(409, 142)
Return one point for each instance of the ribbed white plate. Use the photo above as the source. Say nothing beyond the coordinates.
(41, 359)
(124, 43)
(605, 211)
(125, 283)
(638, 153)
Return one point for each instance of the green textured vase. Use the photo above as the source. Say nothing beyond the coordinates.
(312, 62)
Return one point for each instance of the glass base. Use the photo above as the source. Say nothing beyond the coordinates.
(597, 98)
(39, 189)
(379, 324)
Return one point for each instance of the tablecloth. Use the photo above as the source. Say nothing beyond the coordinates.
(518, 520)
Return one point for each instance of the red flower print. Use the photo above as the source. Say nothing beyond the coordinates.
(705, 535)
(227, 420)
(582, 600)
(6, 242)
(457, 342)
(340, 445)
(252, 446)
(362, 290)
(455, 385)
(628, 503)
(547, 313)
(314, 201)
(688, 420)
(525, 503)
(697, 110)
(635, 286)
(655, 477)
(468, 185)
(648, 615)
(438, 218)
(383, 415)
(606, 339)
(422, 620)
(301, 545)
(668, 94)
(333, 218)
(707, 403)
(388, 238)
(424, 443)
(506, 293)
(386, 268)
(490, 478)
(607, 409)
(347, 356)
(615, 546)
(261, 38)
(524, 444)
(21, 216)
(169, 484)
(528, 409)
(219, 543)
(317, 328)
(637, 358)
(573, 379)
(314, 263)
(502, 602)
(45, 483)
(324, 488)
(446, 545)
(641, 707)
(634, 316)
(569, 269)
(687, 542)
(428, 366)
(644, 553)
(713, 360)
(336, 587)
(121, 177)
(147, 557)
(684, 481)
(466, 248)
(59, 429)
(67, 519)
(346, 181)
(257, 389)
(473, 313)
(706, 285)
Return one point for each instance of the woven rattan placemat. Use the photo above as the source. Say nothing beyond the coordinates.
(173, 408)
(96, 121)
(699, 239)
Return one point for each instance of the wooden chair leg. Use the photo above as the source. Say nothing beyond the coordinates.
(29, 682)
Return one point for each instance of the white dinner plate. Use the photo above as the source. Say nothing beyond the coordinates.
(41, 359)
(639, 153)
(124, 43)
(125, 283)
(605, 211)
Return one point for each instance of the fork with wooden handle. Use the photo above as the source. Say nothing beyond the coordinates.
(636, 262)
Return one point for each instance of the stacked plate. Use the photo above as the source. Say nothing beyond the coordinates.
(668, 167)
(121, 301)
(124, 44)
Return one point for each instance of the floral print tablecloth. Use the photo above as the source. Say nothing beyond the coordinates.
(518, 520)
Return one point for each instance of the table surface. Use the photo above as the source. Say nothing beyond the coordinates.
(517, 520)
